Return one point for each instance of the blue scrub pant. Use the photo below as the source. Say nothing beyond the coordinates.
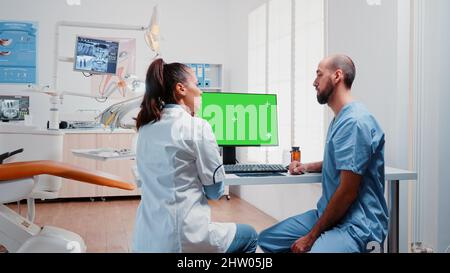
(281, 236)
(245, 240)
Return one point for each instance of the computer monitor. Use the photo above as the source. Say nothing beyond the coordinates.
(241, 119)
(96, 56)
(14, 108)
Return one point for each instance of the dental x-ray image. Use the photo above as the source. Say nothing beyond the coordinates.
(13, 107)
(96, 56)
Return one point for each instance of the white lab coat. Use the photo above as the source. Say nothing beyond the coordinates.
(175, 157)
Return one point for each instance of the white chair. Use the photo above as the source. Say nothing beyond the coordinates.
(17, 182)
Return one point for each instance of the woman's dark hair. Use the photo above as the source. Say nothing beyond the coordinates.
(160, 89)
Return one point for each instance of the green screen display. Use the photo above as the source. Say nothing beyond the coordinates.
(241, 119)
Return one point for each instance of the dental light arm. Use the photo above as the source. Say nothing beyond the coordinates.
(113, 115)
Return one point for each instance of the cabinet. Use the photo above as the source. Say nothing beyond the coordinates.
(209, 76)
(121, 168)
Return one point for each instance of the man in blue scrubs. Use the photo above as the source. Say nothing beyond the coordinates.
(351, 215)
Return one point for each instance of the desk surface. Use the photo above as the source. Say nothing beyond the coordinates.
(231, 179)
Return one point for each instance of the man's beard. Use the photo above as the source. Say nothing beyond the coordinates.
(322, 97)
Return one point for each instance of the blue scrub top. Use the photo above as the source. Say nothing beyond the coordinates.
(355, 142)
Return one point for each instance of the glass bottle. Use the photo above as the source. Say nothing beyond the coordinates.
(296, 154)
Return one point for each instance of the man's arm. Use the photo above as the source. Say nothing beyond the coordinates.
(315, 167)
(340, 202)
(298, 168)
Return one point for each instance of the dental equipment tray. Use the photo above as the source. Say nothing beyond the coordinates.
(104, 153)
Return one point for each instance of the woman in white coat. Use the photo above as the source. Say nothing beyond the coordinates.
(179, 166)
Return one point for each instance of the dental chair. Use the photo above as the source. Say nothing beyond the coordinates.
(18, 181)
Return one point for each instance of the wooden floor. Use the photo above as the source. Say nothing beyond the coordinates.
(107, 226)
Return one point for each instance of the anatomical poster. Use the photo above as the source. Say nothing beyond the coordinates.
(18, 52)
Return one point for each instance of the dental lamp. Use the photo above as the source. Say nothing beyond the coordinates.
(152, 33)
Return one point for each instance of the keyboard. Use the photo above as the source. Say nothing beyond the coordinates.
(259, 174)
(255, 168)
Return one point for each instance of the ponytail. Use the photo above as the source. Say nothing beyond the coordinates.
(160, 84)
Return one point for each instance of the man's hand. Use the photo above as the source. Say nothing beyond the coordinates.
(296, 168)
(303, 244)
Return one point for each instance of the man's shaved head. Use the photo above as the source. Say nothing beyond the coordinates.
(344, 63)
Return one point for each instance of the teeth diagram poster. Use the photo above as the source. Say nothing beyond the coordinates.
(18, 52)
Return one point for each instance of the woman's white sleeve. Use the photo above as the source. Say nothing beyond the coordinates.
(208, 159)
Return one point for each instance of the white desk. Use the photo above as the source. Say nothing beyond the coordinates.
(392, 175)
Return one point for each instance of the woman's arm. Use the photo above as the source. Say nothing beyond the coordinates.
(214, 191)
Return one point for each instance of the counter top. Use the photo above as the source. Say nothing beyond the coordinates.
(97, 131)
(391, 174)
(21, 129)
(34, 130)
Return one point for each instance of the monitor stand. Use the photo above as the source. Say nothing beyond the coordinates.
(229, 155)
(229, 158)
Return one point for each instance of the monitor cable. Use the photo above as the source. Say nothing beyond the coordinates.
(214, 174)
(86, 75)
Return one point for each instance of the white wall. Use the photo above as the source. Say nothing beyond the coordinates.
(192, 31)
(279, 201)
(443, 43)
(237, 72)
(433, 84)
